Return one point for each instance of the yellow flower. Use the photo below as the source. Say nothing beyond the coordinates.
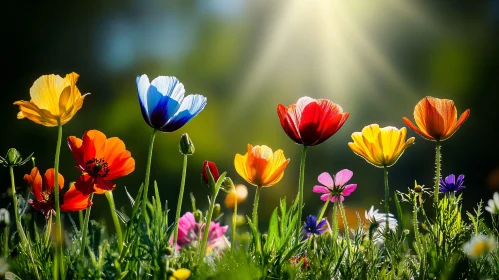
(54, 100)
(240, 193)
(260, 167)
(381, 147)
(181, 274)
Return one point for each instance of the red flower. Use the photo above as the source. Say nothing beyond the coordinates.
(72, 200)
(101, 160)
(311, 122)
(213, 171)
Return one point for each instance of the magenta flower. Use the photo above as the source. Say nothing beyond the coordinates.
(337, 185)
(188, 230)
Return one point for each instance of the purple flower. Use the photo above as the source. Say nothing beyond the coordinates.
(336, 186)
(451, 185)
(310, 226)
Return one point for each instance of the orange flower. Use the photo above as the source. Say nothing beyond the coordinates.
(240, 193)
(260, 167)
(72, 200)
(436, 119)
(101, 160)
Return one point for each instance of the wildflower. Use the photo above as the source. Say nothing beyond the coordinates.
(381, 147)
(310, 122)
(4, 216)
(436, 119)
(239, 193)
(213, 170)
(43, 191)
(451, 185)
(378, 224)
(493, 206)
(337, 186)
(188, 230)
(101, 160)
(54, 100)
(311, 227)
(180, 274)
(163, 104)
(478, 246)
(300, 258)
(260, 167)
(14, 158)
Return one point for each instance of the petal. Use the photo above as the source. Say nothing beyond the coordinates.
(496, 198)
(74, 200)
(460, 180)
(34, 179)
(342, 177)
(458, 124)
(240, 165)
(142, 88)
(85, 184)
(288, 123)
(324, 197)
(75, 145)
(416, 129)
(326, 179)
(32, 112)
(101, 186)
(122, 167)
(275, 168)
(191, 106)
(49, 180)
(334, 198)
(94, 143)
(429, 114)
(310, 122)
(46, 91)
(349, 189)
(450, 180)
(321, 189)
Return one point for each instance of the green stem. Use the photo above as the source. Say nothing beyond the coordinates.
(387, 192)
(345, 225)
(255, 218)
(58, 227)
(335, 221)
(148, 173)
(116, 221)
(300, 190)
(234, 224)
(437, 175)
(85, 229)
(206, 229)
(49, 230)
(179, 203)
(324, 208)
(6, 241)
(80, 218)
(22, 235)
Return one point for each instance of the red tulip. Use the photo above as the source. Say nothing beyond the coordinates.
(310, 121)
(213, 171)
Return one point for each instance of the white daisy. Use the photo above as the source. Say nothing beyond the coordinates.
(493, 206)
(479, 245)
(378, 223)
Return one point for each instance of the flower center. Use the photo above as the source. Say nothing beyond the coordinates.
(97, 167)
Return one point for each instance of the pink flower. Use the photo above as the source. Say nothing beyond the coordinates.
(337, 185)
(188, 230)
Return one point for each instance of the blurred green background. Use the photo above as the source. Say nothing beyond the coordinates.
(376, 59)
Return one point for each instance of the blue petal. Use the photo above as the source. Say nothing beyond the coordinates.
(450, 180)
(142, 88)
(191, 106)
(460, 180)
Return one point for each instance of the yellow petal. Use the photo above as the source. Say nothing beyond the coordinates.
(182, 274)
(31, 111)
(240, 165)
(46, 91)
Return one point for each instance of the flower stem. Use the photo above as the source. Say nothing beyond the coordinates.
(324, 208)
(58, 227)
(438, 159)
(6, 241)
(387, 192)
(22, 235)
(335, 221)
(179, 203)
(345, 226)
(117, 226)
(148, 172)
(234, 224)
(300, 190)
(206, 229)
(255, 218)
(85, 229)
(49, 230)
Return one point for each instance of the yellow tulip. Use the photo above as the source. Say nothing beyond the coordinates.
(54, 100)
(260, 167)
(381, 147)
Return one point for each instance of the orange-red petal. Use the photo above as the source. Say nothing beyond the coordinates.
(74, 200)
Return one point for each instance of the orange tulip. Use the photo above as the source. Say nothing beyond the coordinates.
(260, 167)
(436, 119)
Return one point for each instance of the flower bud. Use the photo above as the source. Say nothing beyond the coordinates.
(4, 216)
(239, 194)
(212, 169)
(406, 232)
(217, 210)
(168, 251)
(186, 146)
(198, 215)
(240, 220)
(13, 158)
(228, 185)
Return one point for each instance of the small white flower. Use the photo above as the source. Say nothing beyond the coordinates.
(4, 216)
(479, 245)
(4, 267)
(378, 221)
(493, 206)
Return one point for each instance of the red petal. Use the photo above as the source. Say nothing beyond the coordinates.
(85, 184)
(287, 122)
(75, 200)
(213, 170)
(75, 145)
(34, 179)
(49, 181)
(101, 186)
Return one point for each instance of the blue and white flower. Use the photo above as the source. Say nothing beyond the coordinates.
(163, 104)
